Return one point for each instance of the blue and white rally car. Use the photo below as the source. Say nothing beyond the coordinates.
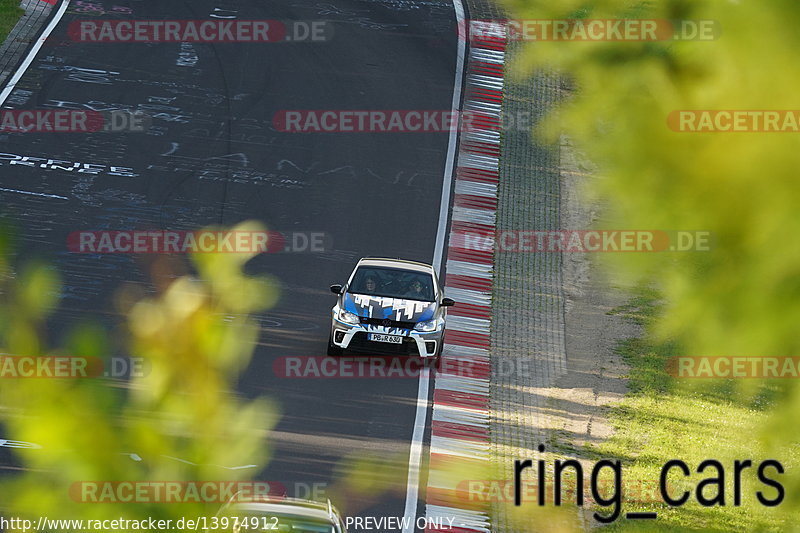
(389, 306)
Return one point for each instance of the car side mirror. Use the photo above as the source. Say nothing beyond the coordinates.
(336, 289)
(448, 302)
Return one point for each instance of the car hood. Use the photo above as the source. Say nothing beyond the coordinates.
(399, 309)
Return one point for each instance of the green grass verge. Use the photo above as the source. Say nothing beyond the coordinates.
(664, 418)
(10, 13)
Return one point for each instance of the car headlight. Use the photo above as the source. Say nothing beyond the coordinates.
(428, 325)
(347, 317)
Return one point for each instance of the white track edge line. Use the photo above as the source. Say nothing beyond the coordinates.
(415, 454)
(12, 83)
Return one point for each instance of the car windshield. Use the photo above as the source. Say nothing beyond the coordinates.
(393, 283)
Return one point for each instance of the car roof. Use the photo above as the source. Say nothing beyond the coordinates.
(396, 263)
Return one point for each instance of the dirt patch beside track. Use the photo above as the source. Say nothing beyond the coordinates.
(555, 369)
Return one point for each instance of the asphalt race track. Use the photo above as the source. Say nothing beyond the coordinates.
(212, 156)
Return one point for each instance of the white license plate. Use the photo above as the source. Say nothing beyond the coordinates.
(380, 337)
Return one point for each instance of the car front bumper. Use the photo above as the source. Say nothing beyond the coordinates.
(354, 337)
